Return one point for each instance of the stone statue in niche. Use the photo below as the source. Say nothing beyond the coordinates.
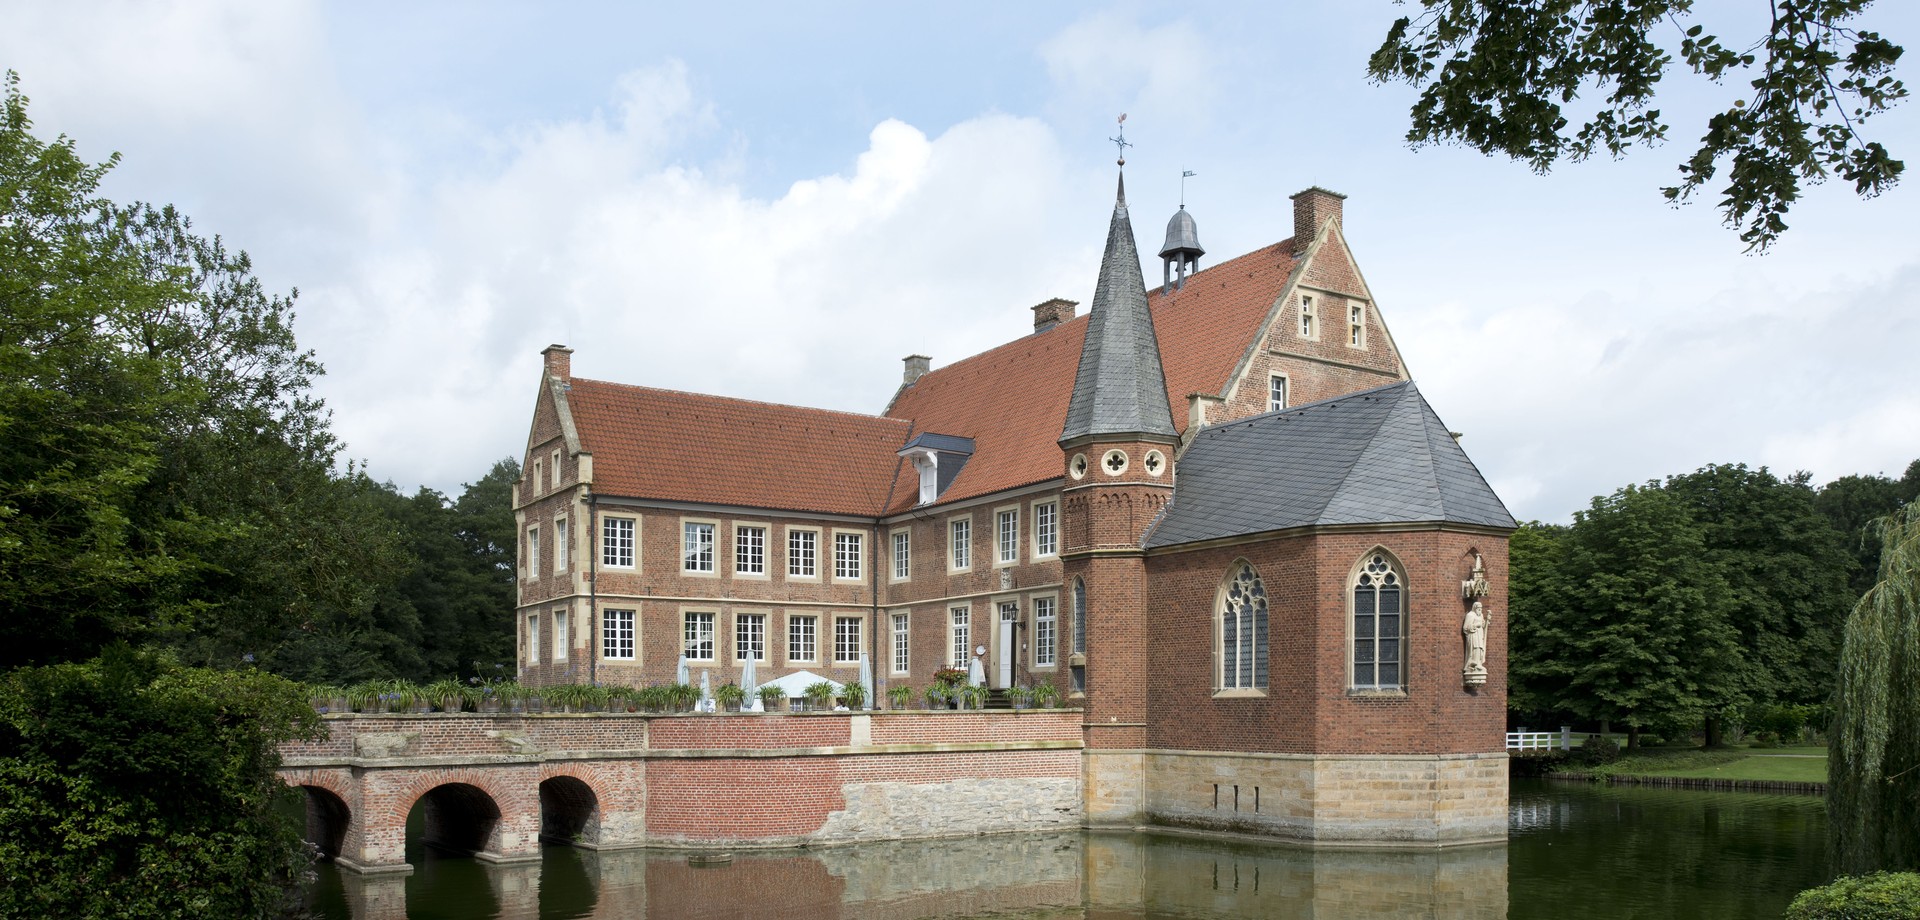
(1475, 631)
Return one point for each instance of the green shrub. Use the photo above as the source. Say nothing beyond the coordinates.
(1596, 750)
(1880, 896)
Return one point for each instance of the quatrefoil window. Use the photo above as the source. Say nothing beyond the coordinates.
(1115, 462)
(1155, 463)
(1078, 467)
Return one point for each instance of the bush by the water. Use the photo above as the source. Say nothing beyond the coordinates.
(1596, 750)
(1880, 896)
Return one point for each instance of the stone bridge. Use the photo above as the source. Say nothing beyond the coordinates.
(496, 786)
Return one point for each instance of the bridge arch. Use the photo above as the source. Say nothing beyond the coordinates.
(460, 818)
(328, 819)
(569, 811)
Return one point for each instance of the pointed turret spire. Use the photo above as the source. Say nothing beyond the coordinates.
(1120, 388)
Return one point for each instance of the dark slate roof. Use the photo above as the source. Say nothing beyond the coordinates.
(1375, 457)
(1119, 388)
(952, 444)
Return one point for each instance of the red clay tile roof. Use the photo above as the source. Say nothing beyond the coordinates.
(674, 446)
(1011, 400)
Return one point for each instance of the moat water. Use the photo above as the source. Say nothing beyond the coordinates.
(1575, 851)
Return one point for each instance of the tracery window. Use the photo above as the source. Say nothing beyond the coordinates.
(1379, 626)
(1243, 630)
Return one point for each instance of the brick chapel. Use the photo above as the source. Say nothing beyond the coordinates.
(1217, 515)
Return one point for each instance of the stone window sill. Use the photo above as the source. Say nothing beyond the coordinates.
(1372, 694)
(1239, 694)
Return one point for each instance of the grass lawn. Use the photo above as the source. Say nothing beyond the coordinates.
(1765, 769)
(1737, 764)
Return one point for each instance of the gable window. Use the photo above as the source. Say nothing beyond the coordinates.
(900, 645)
(1242, 619)
(803, 632)
(902, 555)
(960, 621)
(560, 545)
(1356, 324)
(750, 636)
(533, 552)
(1046, 529)
(749, 550)
(803, 553)
(1306, 316)
(554, 468)
(1276, 392)
(846, 554)
(1379, 626)
(960, 544)
(846, 640)
(560, 635)
(616, 542)
(1046, 643)
(696, 547)
(698, 636)
(538, 481)
(616, 635)
(1007, 523)
(533, 638)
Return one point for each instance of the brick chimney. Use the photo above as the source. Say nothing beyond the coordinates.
(1052, 313)
(1311, 211)
(559, 362)
(917, 367)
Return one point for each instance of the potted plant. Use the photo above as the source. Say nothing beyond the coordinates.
(937, 695)
(448, 694)
(1021, 697)
(771, 696)
(684, 697)
(855, 693)
(730, 696)
(976, 697)
(1047, 696)
(952, 677)
(819, 695)
(899, 697)
(322, 698)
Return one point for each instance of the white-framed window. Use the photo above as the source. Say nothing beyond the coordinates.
(1046, 631)
(902, 554)
(1356, 324)
(749, 549)
(959, 544)
(533, 552)
(1379, 624)
(846, 640)
(698, 635)
(554, 469)
(1006, 526)
(901, 645)
(616, 635)
(749, 636)
(560, 642)
(960, 634)
(1079, 617)
(616, 542)
(1046, 529)
(1307, 319)
(696, 546)
(848, 548)
(803, 638)
(803, 552)
(1241, 624)
(560, 547)
(1276, 392)
(533, 638)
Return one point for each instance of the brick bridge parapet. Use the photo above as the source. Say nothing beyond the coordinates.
(495, 785)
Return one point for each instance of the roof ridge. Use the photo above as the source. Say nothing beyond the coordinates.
(742, 400)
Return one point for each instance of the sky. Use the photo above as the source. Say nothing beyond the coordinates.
(779, 201)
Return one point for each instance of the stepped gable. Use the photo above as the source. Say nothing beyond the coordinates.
(675, 446)
(1013, 399)
(1375, 457)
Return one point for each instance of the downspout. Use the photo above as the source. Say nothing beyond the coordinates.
(873, 612)
(593, 588)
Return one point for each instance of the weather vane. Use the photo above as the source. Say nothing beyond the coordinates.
(1185, 174)
(1121, 142)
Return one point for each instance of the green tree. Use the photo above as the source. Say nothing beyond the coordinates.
(1854, 504)
(1633, 624)
(1873, 761)
(134, 788)
(1500, 75)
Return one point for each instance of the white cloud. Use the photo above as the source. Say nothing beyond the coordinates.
(1166, 72)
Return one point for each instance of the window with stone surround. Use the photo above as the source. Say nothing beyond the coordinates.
(1046, 642)
(902, 555)
(847, 550)
(616, 635)
(1241, 620)
(533, 638)
(1356, 325)
(1276, 392)
(960, 544)
(803, 638)
(803, 552)
(616, 542)
(1379, 625)
(846, 640)
(532, 568)
(1307, 319)
(960, 622)
(1046, 529)
(698, 635)
(560, 547)
(900, 643)
(560, 642)
(749, 636)
(1007, 526)
(696, 547)
(749, 549)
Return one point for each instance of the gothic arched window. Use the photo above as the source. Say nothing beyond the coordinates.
(1379, 625)
(1242, 618)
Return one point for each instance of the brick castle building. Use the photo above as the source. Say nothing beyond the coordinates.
(1218, 516)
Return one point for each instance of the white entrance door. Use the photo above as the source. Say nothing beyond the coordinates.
(1009, 619)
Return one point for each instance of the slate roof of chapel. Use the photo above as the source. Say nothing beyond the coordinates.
(1377, 456)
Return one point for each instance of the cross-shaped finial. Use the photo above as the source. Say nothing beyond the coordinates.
(1121, 142)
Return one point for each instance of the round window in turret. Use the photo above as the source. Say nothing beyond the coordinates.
(1114, 462)
(1077, 467)
(1155, 462)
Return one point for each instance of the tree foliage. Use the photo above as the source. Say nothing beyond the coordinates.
(1855, 504)
(1503, 76)
(134, 788)
(1873, 763)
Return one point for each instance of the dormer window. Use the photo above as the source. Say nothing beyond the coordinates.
(938, 459)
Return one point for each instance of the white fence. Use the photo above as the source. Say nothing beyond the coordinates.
(1524, 740)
